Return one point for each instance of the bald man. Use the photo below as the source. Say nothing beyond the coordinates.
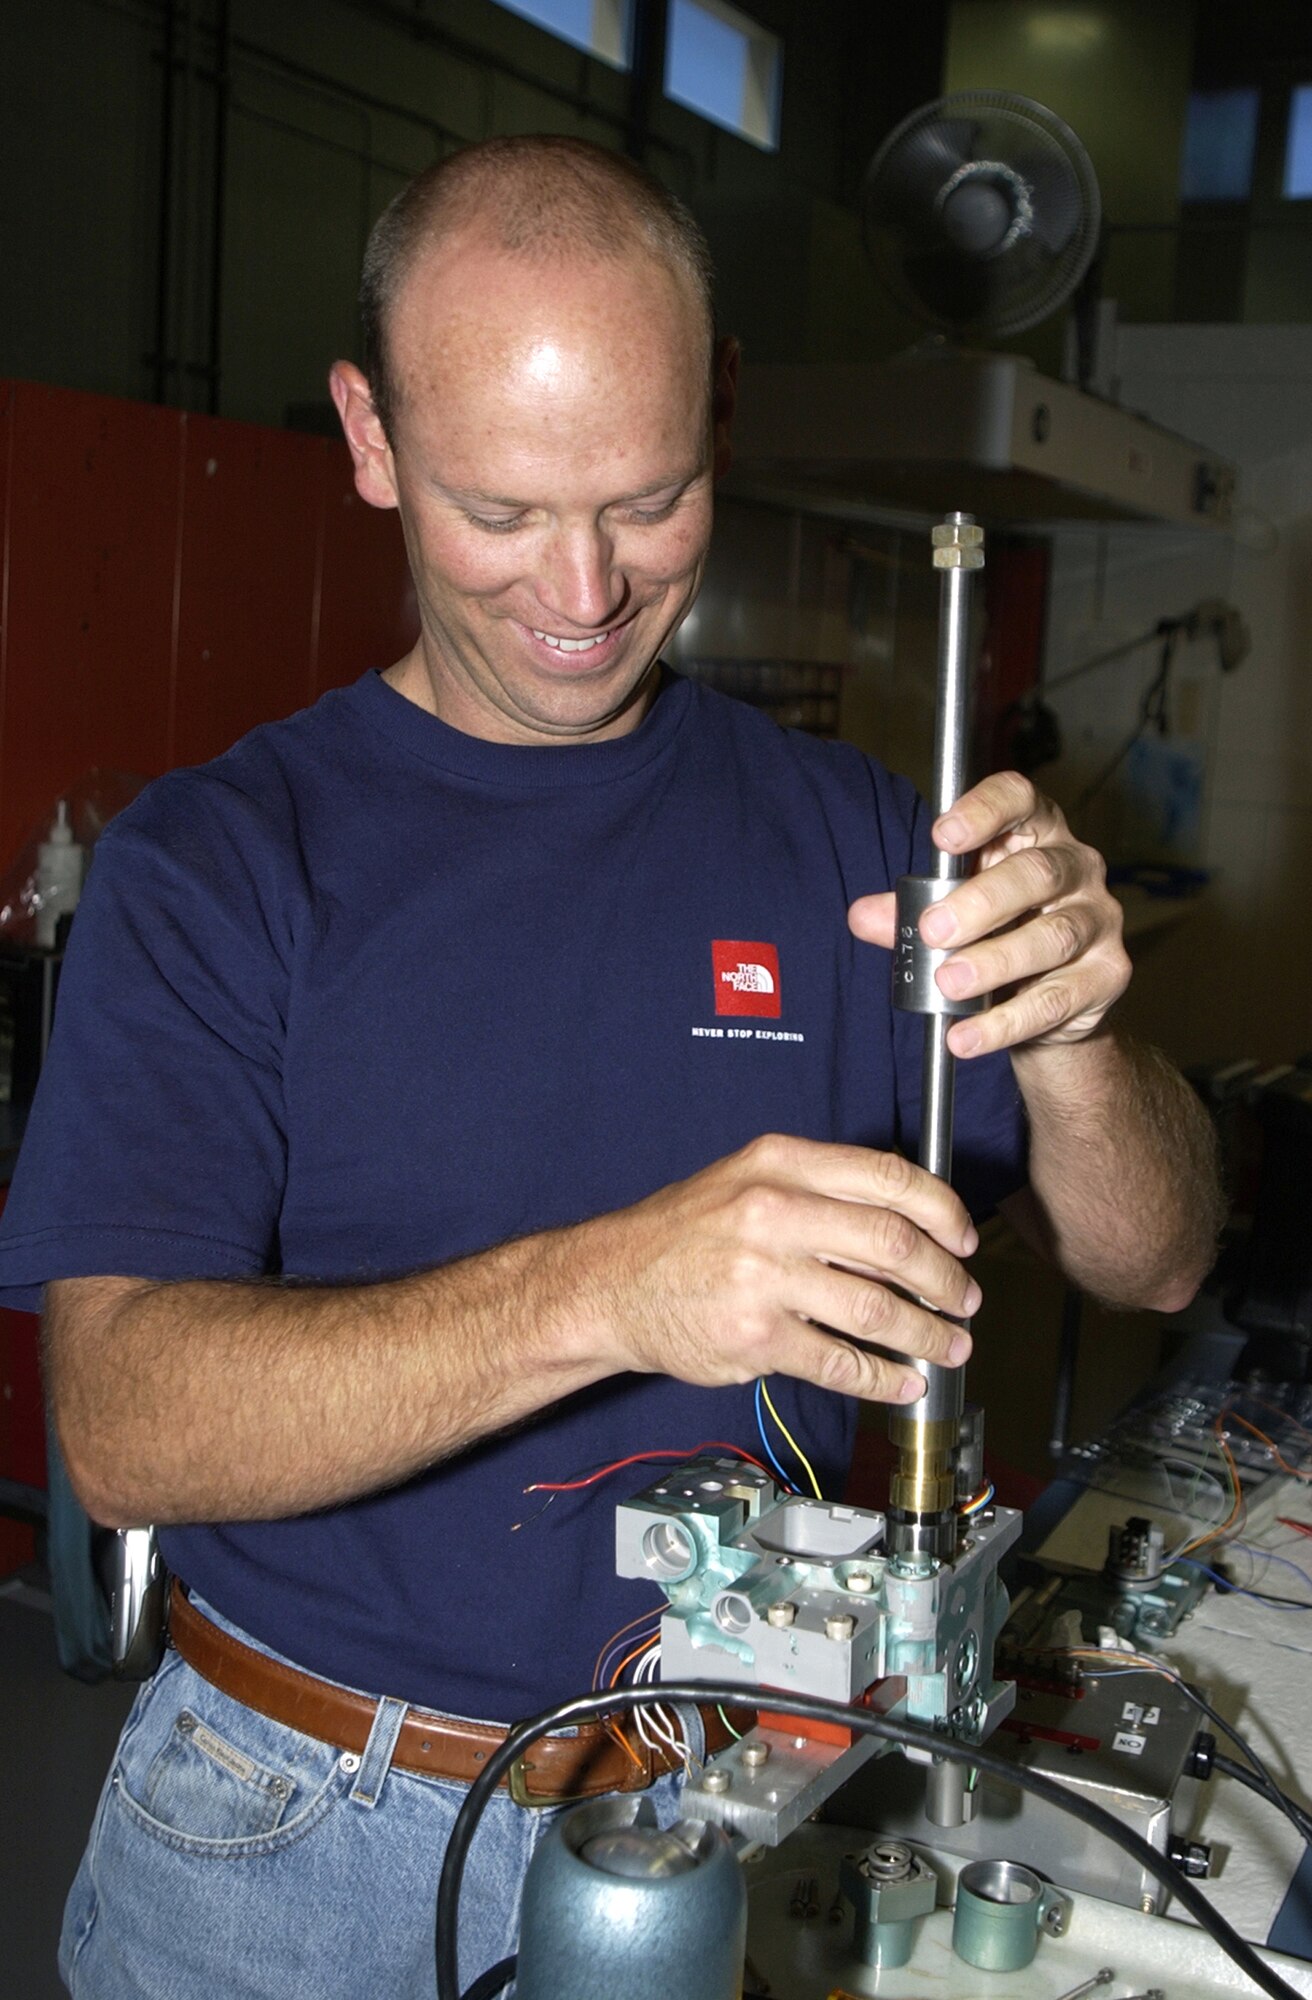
(486, 1076)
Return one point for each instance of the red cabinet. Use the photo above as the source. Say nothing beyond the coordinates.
(167, 581)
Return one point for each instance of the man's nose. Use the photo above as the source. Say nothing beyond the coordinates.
(580, 582)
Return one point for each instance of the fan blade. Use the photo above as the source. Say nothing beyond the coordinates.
(903, 187)
(1059, 206)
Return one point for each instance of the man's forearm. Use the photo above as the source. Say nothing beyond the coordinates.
(1123, 1169)
(210, 1402)
(201, 1401)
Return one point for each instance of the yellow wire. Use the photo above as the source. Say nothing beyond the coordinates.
(790, 1440)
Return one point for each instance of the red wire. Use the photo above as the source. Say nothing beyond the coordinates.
(637, 1458)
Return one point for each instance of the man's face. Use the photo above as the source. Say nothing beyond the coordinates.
(552, 463)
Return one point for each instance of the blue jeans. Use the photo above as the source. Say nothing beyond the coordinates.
(231, 1856)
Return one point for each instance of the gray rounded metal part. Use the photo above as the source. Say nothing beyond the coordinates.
(615, 1904)
(1001, 1908)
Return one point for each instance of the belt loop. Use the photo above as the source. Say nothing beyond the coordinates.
(694, 1729)
(375, 1763)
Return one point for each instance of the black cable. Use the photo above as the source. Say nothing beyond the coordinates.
(1301, 1818)
(1270, 1789)
(495, 1980)
(588, 1708)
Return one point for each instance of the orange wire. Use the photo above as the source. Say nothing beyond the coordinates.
(1271, 1446)
(1200, 1541)
(625, 1745)
(1276, 1411)
(613, 1727)
(645, 1647)
(643, 1618)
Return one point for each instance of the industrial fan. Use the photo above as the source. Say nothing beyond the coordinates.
(980, 213)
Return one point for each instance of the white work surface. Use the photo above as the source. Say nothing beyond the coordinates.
(1254, 1664)
(811, 1961)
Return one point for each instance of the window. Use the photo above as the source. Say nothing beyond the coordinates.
(1298, 147)
(719, 63)
(603, 27)
(1220, 136)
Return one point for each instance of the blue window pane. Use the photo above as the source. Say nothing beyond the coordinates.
(1298, 153)
(1220, 136)
(706, 64)
(574, 21)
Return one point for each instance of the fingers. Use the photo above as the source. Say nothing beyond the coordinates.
(874, 919)
(1030, 879)
(1001, 804)
(778, 1167)
(1035, 925)
(879, 1243)
(814, 1356)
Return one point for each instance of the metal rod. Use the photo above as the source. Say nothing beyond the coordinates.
(945, 1388)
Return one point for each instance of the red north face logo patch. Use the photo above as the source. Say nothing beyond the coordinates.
(746, 977)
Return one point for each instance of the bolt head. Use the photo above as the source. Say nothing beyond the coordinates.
(755, 1754)
(840, 1625)
(781, 1615)
(716, 1780)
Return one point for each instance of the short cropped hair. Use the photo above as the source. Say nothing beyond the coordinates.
(542, 197)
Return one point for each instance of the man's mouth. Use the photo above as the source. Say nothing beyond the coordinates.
(571, 645)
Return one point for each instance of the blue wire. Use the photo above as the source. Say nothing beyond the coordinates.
(1269, 1555)
(1237, 1590)
(769, 1448)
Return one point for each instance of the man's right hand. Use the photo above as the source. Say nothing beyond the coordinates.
(208, 1400)
(764, 1261)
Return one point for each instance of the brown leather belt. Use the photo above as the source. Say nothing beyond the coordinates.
(440, 1746)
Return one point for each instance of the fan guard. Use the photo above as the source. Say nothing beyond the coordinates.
(981, 212)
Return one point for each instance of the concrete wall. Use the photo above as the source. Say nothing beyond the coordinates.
(1233, 976)
(286, 125)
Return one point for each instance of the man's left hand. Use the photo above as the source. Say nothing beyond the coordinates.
(1035, 925)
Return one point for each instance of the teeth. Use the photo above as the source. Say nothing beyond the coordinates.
(570, 645)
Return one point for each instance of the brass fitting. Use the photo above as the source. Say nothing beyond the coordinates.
(958, 545)
(924, 1478)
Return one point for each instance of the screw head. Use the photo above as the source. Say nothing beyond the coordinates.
(781, 1615)
(840, 1625)
(755, 1754)
(859, 1581)
(716, 1780)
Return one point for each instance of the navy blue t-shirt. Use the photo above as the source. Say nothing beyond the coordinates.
(366, 994)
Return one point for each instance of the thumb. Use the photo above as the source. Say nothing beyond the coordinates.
(874, 919)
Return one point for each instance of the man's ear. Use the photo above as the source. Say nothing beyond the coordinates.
(724, 400)
(371, 455)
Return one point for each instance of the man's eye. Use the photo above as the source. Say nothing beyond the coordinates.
(644, 515)
(494, 524)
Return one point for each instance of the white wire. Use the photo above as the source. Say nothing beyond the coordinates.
(664, 1725)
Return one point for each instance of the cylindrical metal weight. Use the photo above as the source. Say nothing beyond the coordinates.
(614, 1904)
(915, 989)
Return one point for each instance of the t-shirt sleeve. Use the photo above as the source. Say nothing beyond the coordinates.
(990, 1137)
(155, 1146)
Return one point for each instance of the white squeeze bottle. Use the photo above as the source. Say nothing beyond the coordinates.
(58, 876)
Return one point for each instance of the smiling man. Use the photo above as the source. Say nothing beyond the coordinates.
(486, 1076)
